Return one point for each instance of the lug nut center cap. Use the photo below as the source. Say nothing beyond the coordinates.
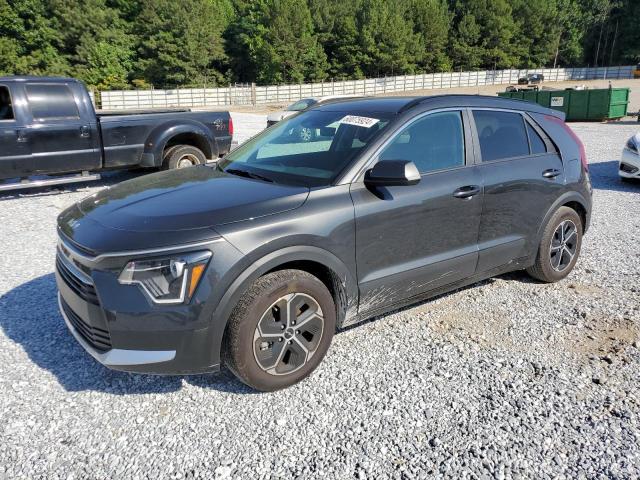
(288, 333)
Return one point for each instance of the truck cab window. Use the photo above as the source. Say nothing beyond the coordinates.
(6, 110)
(51, 102)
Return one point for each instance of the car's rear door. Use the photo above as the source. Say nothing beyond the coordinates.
(62, 134)
(522, 174)
(412, 239)
(15, 153)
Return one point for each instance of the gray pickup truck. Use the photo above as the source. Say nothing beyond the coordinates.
(51, 134)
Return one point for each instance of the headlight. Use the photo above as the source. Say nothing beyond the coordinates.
(165, 280)
(631, 145)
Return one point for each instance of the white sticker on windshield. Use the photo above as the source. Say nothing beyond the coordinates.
(359, 121)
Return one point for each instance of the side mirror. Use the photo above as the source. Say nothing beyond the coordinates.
(392, 173)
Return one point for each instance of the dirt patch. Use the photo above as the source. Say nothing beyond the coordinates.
(603, 337)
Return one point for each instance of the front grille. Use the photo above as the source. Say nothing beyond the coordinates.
(83, 290)
(98, 338)
(628, 168)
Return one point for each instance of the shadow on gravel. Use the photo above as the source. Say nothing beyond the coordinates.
(604, 176)
(29, 316)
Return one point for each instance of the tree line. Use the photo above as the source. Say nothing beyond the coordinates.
(116, 44)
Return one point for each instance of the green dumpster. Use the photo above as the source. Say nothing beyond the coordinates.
(579, 105)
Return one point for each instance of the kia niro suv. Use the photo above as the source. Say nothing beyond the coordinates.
(254, 263)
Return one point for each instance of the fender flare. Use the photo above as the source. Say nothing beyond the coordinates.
(269, 262)
(163, 133)
(565, 198)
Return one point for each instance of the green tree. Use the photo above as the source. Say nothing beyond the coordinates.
(432, 22)
(273, 41)
(180, 43)
(483, 35)
(31, 41)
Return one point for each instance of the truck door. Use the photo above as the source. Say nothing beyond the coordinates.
(62, 135)
(14, 148)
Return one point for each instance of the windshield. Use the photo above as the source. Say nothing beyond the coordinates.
(311, 149)
(301, 105)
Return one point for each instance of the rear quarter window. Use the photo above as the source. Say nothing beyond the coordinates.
(51, 102)
(501, 134)
(537, 144)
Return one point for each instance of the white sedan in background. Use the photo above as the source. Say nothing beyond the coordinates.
(630, 161)
(300, 105)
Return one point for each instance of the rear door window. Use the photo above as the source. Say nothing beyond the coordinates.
(6, 107)
(501, 134)
(435, 142)
(51, 102)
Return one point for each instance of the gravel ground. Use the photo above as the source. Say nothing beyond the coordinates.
(505, 379)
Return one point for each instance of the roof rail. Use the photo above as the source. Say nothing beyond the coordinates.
(412, 103)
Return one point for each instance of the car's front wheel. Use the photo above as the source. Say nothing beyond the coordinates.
(560, 246)
(280, 330)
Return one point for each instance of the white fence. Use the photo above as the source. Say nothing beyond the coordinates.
(250, 94)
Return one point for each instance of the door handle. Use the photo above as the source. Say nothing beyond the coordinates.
(21, 136)
(467, 191)
(551, 173)
(85, 132)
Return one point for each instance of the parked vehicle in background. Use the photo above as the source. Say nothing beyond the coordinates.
(299, 106)
(256, 262)
(636, 72)
(531, 79)
(48, 126)
(629, 167)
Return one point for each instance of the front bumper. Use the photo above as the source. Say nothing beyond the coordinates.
(122, 329)
(629, 166)
(116, 357)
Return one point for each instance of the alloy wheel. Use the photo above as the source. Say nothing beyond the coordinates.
(564, 244)
(288, 334)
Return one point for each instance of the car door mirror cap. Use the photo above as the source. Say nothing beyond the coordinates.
(392, 173)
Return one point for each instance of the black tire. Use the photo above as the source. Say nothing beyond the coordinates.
(551, 266)
(179, 155)
(243, 341)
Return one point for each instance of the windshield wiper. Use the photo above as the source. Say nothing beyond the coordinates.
(244, 173)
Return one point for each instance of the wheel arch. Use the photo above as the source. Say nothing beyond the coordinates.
(573, 200)
(180, 132)
(324, 265)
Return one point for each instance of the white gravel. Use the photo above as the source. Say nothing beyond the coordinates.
(505, 379)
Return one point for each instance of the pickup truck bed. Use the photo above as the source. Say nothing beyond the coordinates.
(48, 126)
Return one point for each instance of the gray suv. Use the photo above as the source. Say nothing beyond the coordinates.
(255, 262)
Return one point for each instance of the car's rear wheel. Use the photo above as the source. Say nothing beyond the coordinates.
(183, 156)
(280, 330)
(560, 246)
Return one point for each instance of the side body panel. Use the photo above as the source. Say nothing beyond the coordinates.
(127, 138)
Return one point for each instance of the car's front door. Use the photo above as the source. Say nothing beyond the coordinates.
(15, 154)
(412, 239)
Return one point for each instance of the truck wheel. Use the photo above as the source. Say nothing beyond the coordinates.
(182, 156)
(280, 330)
(559, 248)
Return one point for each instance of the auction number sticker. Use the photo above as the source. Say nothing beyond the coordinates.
(557, 101)
(365, 122)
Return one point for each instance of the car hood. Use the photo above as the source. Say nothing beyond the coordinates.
(188, 199)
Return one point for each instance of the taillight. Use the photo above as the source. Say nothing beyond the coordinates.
(583, 152)
(230, 126)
